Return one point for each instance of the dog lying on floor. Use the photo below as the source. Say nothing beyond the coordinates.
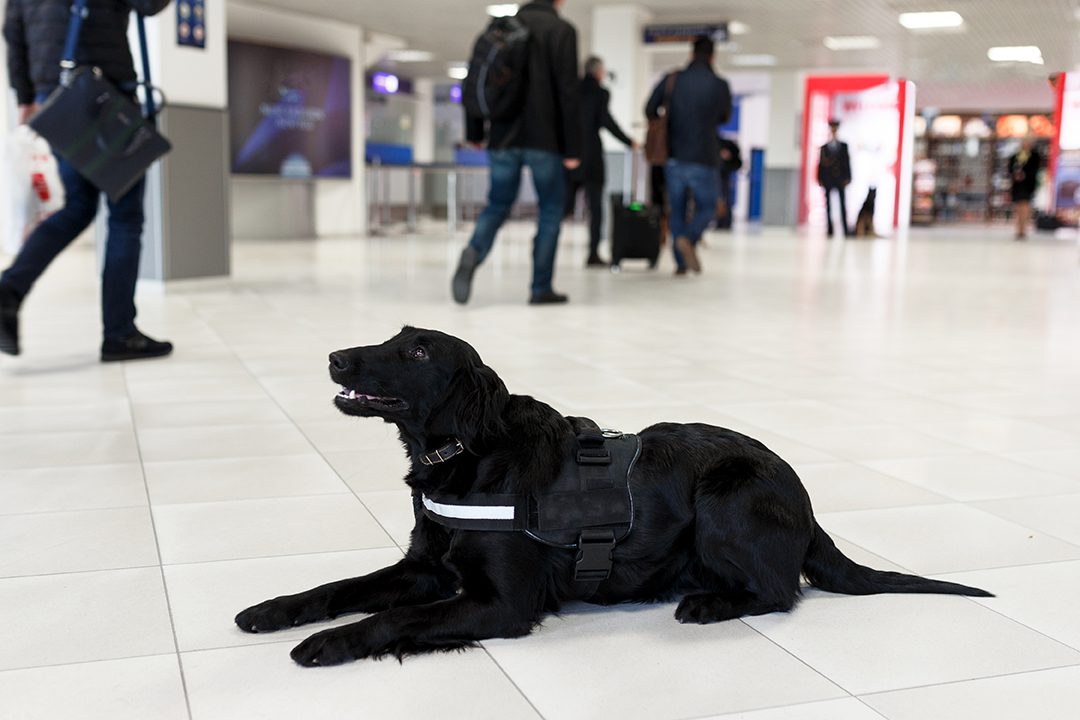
(684, 511)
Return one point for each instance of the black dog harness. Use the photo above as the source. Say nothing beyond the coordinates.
(589, 507)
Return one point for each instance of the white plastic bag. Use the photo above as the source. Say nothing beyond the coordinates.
(32, 189)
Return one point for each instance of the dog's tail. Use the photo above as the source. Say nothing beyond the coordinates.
(829, 569)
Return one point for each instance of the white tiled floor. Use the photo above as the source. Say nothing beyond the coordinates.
(926, 390)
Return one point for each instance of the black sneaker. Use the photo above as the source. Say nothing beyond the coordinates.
(462, 284)
(597, 261)
(135, 347)
(548, 298)
(9, 321)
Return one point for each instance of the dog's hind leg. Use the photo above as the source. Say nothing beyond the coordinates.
(749, 544)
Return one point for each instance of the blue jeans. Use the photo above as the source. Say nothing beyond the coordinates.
(550, 182)
(686, 180)
(121, 250)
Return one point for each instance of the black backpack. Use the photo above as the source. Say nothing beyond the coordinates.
(498, 71)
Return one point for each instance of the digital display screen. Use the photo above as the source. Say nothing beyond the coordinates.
(290, 112)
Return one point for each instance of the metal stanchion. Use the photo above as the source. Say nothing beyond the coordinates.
(374, 209)
(385, 205)
(452, 201)
(410, 217)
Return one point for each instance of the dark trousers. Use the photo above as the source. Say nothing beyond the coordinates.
(843, 209)
(122, 248)
(594, 199)
(549, 179)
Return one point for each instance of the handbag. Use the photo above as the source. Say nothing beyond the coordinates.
(657, 149)
(97, 127)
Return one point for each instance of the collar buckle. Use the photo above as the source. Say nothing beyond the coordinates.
(446, 452)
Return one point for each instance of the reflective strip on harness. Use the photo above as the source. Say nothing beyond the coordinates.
(477, 511)
(470, 512)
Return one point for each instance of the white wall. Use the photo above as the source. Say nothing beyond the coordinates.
(189, 76)
(339, 205)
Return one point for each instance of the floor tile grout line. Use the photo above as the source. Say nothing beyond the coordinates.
(961, 681)
(199, 562)
(75, 663)
(157, 549)
(307, 437)
(512, 681)
(258, 381)
(797, 659)
(774, 707)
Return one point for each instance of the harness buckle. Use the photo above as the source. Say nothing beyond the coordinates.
(594, 555)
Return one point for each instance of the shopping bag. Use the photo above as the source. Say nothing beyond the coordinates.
(32, 190)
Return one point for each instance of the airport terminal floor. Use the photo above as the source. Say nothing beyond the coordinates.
(927, 391)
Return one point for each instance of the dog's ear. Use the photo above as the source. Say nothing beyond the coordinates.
(477, 410)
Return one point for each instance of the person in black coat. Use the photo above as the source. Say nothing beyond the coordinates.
(595, 116)
(1024, 169)
(545, 136)
(834, 173)
(36, 31)
(730, 163)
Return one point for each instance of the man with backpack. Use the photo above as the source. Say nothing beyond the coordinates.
(521, 96)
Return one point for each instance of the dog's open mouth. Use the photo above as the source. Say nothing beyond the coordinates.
(351, 399)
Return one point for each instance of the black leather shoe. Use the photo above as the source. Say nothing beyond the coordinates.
(462, 285)
(597, 261)
(548, 298)
(9, 321)
(134, 347)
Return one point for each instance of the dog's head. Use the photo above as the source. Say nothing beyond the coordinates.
(432, 385)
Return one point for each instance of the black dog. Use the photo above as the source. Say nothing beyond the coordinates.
(718, 519)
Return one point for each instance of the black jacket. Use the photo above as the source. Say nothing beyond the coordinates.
(35, 31)
(700, 104)
(551, 120)
(834, 166)
(1024, 175)
(595, 116)
(734, 163)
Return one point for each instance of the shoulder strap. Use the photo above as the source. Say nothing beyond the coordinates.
(67, 60)
(147, 83)
(669, 90)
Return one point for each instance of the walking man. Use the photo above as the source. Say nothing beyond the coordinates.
(545, 137)
(35, 31)
(699, 104)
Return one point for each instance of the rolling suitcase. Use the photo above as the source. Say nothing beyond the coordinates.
(636, 228)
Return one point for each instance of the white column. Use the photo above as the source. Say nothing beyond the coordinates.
(785, 109)
(424, 125)
(617, 39)
(783, 153)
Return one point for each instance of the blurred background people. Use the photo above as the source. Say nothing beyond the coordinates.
(700, 103)
(730, 163)
(1024, 169)
(595, 116)
(834, 174)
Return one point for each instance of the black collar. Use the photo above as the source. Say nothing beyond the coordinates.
(446, 452)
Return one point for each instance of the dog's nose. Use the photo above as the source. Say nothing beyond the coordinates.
(340, 361)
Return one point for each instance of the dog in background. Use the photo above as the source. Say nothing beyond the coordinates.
(864, 224)
(720, 522)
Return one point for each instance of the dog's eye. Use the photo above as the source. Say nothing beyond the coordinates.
(418, 353)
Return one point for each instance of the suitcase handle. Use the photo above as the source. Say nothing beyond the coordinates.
(631, 193)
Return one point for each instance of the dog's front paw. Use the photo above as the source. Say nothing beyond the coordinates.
(278, 614)
(325, 649)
